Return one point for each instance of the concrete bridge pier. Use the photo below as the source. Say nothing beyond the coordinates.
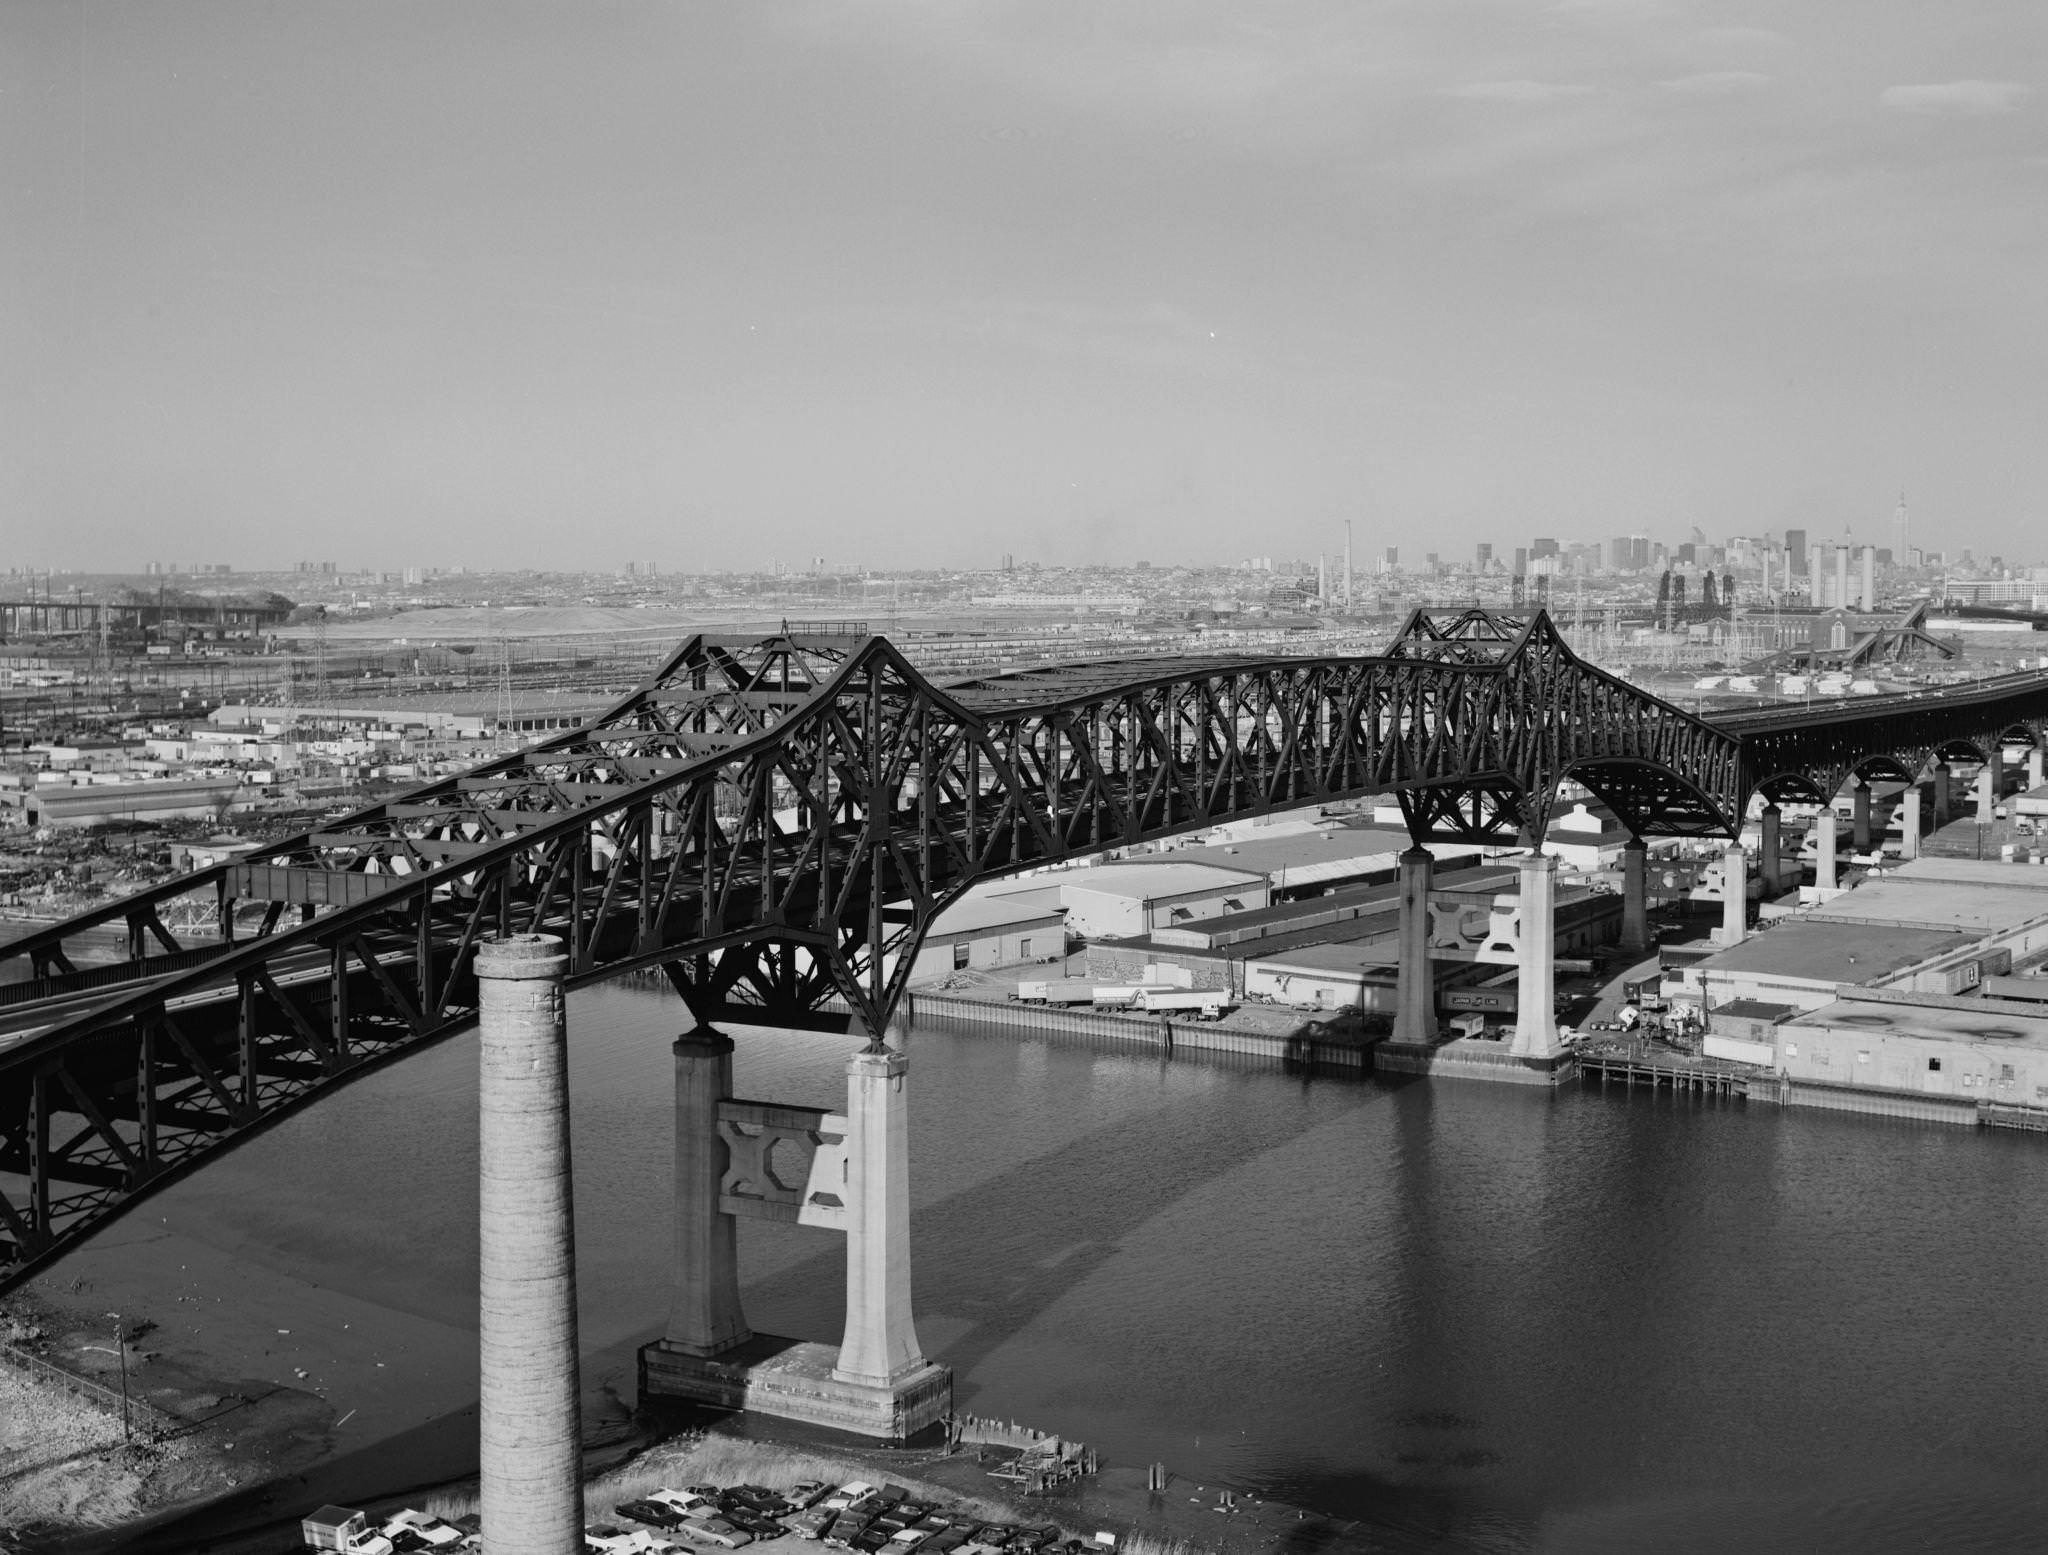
(1770, 848)
(1909, 823)
(879, 1357)
(1824, 848)
(704, 1317)
(1944, 798)
(1635, 905)
(1415, 984)
(1536, 960)
(1735, 896)
(768, 1161)
(1860, 816)
(1988, 777)
(2036, 761)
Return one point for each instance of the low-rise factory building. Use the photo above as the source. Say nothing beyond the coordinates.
(982, 931)
(1909, 995)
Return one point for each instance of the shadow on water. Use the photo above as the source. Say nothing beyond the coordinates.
(1001, 1223)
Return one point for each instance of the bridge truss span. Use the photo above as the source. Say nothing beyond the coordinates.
(774, 824)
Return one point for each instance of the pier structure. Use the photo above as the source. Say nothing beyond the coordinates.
(1734, 896)
(1415, 982)
(1536, 959)
(1859, 835)
(1826, 844)
(849, 1172)
(1770, 847)
(1909, 823)
(1635, 910)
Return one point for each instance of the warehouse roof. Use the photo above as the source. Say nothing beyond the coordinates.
(1945, 1023)
(1814, 950)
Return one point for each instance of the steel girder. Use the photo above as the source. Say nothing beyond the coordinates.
(1810, 751)
(775, 824)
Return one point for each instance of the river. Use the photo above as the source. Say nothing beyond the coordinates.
(1467, 1316)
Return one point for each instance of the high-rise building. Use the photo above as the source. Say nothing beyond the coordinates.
(1900, 536)
(1542, 546)
(1483, 556)
(1795, 553)
(1521, 561)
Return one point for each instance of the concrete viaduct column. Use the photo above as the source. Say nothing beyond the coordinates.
(1987, 790)
(1944, 798)
(1909, 823)
(530, 1441)
(1824, 847)
(880, 1347)
(1536, 960)
(2035, 766)
(1772, 849)
(704, 1317)
(1635, 895)
(1860, 797)
(1415, 985)
(1735, 891)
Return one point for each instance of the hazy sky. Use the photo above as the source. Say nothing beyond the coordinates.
(921, 283)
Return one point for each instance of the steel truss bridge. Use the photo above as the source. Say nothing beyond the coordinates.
(775, 824)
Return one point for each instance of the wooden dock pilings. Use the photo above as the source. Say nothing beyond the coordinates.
(1631, 1070)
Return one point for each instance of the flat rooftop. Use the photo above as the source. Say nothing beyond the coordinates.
(1300, 850)
(1958, 894)
(1147, 880)
(1339, 957)
(1819, 951)
(978, 914)
(1941, 1023)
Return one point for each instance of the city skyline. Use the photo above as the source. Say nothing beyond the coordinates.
(933, 283)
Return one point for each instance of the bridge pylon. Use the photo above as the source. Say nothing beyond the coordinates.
(850, 1171)
(1536, 959)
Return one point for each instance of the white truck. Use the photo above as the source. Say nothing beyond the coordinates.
(1057, 990)
(1202, 1003)
(1129, 996)
(342, 1530)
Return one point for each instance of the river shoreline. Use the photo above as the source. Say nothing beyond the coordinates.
(380, 1417)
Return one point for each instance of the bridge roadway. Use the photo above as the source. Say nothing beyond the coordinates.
(776, 823)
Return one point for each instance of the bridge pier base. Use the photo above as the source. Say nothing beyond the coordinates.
(1635, 908)
(1944, 797)
(1536, 960)
(1824, 877)
(1987, 791)
(877, 1382)
(1860, 834)
(1415, 986)
(2036, 775)
(1909, 823)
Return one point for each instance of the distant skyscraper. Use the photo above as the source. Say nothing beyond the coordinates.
(1542, 546)
(1795, 553)
(1900, 537)
(1484, 556)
